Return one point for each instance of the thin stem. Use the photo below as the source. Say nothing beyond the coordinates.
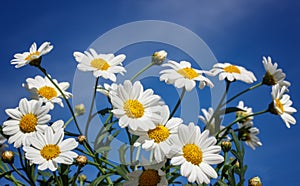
(65, 98)
(141, 71)
(20, 174)
(178, 103)
(69, 120)
(244, 91)
(76, 175)
(91, 108)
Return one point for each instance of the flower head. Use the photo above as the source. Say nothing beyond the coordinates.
(49, 149)
(102, 65)
(161, 137)
(183, 75)
(106, 88)
(25, 121)
(247, 111)
(159, 57)
(248, 133)
(8, 156)
(273, 74)
(135, 107)
(211, 123)
(281, 105)
(195, 152)
(232, 72)
(33, 56)
(42, 88)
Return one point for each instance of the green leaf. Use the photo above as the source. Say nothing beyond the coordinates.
(103, 149)
(122, 171)
(221, 183)
(122, 153)
(99, 179)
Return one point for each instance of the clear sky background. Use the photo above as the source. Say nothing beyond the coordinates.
(240, 32)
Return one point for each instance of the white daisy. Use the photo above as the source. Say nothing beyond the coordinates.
(151, 175)
(161, 137)
(248, 133)
(211, 123)
(49, 149)
(273, 74)
(281, 105)
(195, 152)
(25, 121)
(106, 88)
(42, 88)
(135, 107)
(33, 54)
(183, 75)
(247, 111)
(102, 65)
(232, 72)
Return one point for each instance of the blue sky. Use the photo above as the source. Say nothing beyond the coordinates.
(240, 32)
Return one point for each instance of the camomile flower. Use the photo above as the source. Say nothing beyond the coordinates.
(273, 74)
(183, 75)
(34, 54)
(106, 88)
(42, 88)
(281, 105)
(102, 65)
(161, 137)
(196, 152)
(246, 112)
(25, 121)
(150, 175)
(248, 133)
(232, 72)
(211, 123)
(135, 107)
(49, 149)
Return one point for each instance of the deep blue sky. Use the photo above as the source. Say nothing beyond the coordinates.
(240, 32)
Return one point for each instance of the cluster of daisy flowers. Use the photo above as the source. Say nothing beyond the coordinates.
(177, 147)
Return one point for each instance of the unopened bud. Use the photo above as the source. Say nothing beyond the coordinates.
(81, 139)
(226, 146)
(159, 57)
(82, 178)
(255, 181)
(81, 160)
(80, 109)
(8, 157)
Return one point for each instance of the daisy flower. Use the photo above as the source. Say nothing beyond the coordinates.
(248, 133)
(273, 74)
(232, 72)
(42, 88)
(102, 65)
(25, 121)
(160, 138)
(135, 107)
(31, 56)
(183, 75)
(150, 175)
(49, 149)
(196, 152)
(211, 123)
(281, 105)
(247, 111)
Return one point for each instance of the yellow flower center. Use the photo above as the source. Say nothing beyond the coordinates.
(149, 177)
(50, 151)
(47, 92)
(28, 123)
(159, 134)
(279, 105)
(188, 73)
(133, 108)
(232, 69)
(100, 64)
(192, 153)
(32, 56)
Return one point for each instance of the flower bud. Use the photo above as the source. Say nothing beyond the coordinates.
(255, 181)
(8, 157)
(81, 160)
(81, 139)
(80, 109)
(82, 178)
(226, 146)
(159, 57)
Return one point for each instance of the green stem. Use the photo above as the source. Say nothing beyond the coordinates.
(76, 175)
(69, 120)
(141, 71)
(91, 108)
(244, 91)
(20, 174)
(178, 103)
(65, 98)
